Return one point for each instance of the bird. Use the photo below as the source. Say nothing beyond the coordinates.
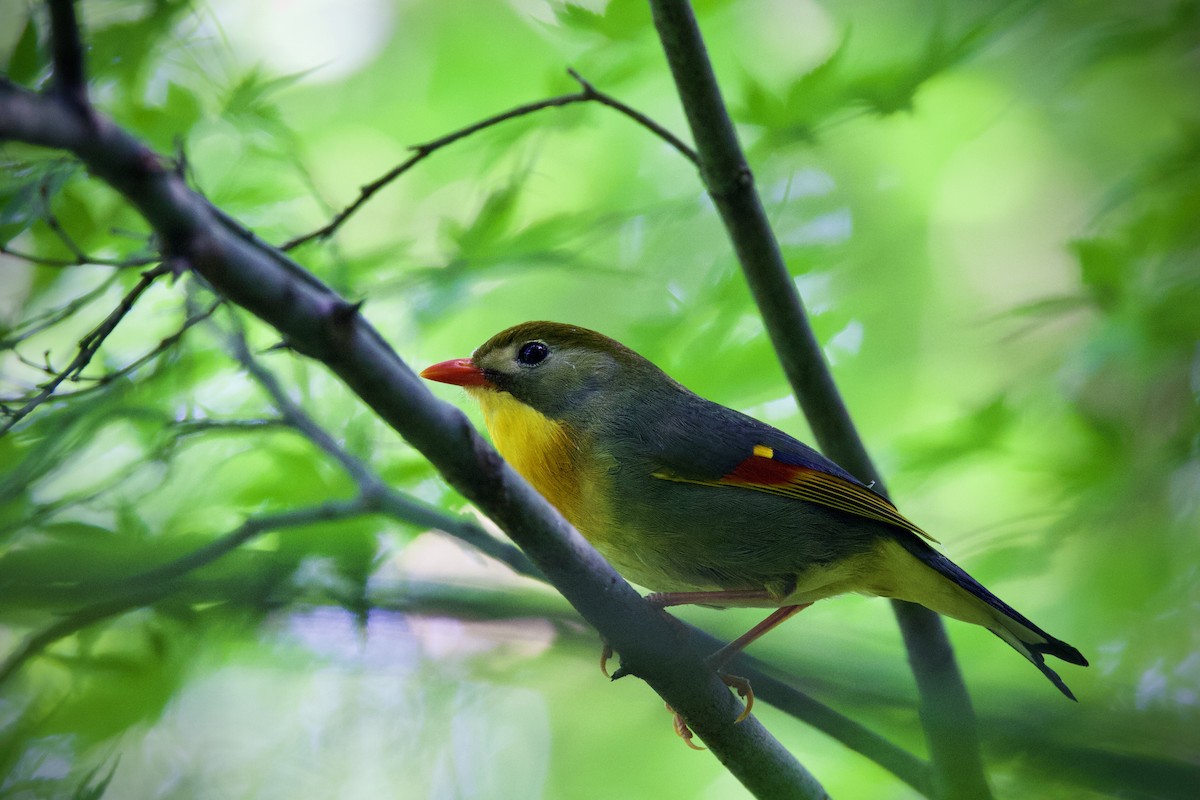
(700, 503)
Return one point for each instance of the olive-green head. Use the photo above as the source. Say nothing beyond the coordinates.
(563, 371)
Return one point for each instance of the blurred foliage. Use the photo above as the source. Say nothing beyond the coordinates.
(990, 208)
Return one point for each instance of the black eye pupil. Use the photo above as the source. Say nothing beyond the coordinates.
(532, 353)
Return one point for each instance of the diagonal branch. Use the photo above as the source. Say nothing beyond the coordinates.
(317, 322)
(658, 130)
(383, 498)
(946, 711)
(266, 281)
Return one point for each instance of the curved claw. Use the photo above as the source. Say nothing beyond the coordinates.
(744, 691)
(605, 655)
(683, 731)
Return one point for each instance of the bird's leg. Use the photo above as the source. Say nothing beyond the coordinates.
(668, 599)
(781, 614)
(718, 659)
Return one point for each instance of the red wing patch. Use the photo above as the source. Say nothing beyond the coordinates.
(765, 472)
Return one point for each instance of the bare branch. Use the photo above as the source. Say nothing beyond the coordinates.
(165, 344)
(51, 317)
(51, 220)
(87, 348)
(658, 130)
(423, 151)
(196, 427)
(80, 260)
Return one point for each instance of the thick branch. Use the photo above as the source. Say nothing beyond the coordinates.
(382, 497)
(945, 706)
(769, 689)
(319, 323)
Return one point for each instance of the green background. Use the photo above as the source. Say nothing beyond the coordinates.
(992, 211)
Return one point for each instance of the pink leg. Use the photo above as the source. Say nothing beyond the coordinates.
(718, 659)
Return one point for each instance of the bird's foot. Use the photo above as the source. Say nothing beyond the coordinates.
(736, 682)
(682, 730)
(605, 654)
(742, 686)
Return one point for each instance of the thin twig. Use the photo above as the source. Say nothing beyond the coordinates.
(589, 93)
(196, 427)
(83, 259)
(87, 348)
(658, 130)
(165, 344)
(51, 220)
(423, 151)
(51, 317)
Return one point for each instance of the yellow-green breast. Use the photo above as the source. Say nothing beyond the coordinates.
(548, 454)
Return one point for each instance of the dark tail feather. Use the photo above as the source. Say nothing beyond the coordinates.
(1034, 655)
(1022, 635)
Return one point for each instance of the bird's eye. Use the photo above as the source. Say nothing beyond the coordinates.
(532, 353)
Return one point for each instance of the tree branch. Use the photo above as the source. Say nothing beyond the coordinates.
(382, 497)
(67, 54)
(946, 711)
(658, 130)
(155, 584)
(87, 349)
(317, 322)
(80, 259)
(39, 122)
(589, 93)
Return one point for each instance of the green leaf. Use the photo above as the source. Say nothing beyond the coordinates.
(90, 788)
(26, 62)
(490, 224)
(1103, 266)
(621, 20)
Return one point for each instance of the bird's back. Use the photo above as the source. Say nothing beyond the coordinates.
(668, 531)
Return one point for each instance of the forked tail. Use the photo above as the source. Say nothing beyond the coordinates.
(984, 608)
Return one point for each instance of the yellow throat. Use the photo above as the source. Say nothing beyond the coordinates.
(539, 448)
